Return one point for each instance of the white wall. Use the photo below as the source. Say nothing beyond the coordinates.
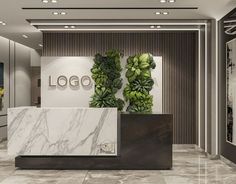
(157, 88)
(80, 66)
(16, 58)
(22, 76)
(67, 96)
(4, 58)
(35, 57)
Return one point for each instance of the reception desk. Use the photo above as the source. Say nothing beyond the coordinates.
(78, 138)
(62, 131)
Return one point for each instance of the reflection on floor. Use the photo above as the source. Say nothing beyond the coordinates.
(190, 167)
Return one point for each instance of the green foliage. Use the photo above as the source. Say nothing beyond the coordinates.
(106, 74)
(139, 67)
(104, 97)
(140, 83)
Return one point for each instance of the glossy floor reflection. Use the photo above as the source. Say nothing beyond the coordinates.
(190, 167)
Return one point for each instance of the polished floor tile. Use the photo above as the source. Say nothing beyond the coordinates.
(190, 166)
(124, 177)
(47, 177)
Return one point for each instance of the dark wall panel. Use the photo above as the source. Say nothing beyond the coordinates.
(227, 149)
(178, 50)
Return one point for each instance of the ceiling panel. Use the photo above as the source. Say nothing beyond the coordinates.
(12, 13)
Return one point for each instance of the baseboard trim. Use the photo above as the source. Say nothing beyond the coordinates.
(3, 139)
(182, 146)
(227, 161)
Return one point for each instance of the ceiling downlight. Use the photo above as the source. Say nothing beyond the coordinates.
(162, 13)
(25, 36)
(55, 13)
(3, 23)
(59, 13)
(167, 1)
(162, 1)
(48, 1)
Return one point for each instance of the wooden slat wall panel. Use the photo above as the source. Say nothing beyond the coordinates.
(178, 50)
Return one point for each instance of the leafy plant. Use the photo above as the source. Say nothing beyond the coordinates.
(106, 73)
(139, 66)
(140, 83)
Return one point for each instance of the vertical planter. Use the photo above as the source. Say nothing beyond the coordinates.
(138, 73)
(106, 73)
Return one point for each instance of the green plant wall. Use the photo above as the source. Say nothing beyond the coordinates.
(106, 73)
(138, 73)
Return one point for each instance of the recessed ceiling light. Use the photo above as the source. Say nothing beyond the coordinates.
(171, 1)
(45, 1)
(25, 36)
(165, 13)
(54, 1)
(152, 27)
(163, 1)
(63, 13)
(3, 23)
(72, 27)
(55, 13)
(158, 13)
(66, 27)
(158, 27)
(40, 45)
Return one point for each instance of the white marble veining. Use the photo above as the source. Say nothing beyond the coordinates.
(62, 131)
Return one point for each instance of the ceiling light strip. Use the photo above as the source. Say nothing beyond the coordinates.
(229, 21)
(158, 29)
(173, 29)
(199, 88)
(112, 24)
(206, 91)
(111, 8)
(217, 90)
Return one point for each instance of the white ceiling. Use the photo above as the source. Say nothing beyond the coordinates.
(12, 13)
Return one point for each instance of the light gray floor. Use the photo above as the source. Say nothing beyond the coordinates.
(190, 167)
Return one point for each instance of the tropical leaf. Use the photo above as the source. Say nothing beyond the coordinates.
(106, 74)
(140, 83)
